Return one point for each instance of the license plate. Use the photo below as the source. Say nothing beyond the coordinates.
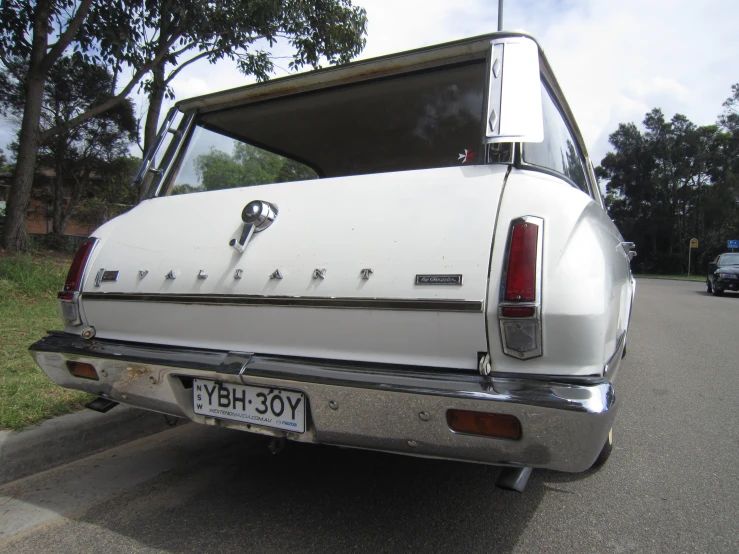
(276, 408)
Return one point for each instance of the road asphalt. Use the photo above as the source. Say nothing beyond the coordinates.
(669, 486)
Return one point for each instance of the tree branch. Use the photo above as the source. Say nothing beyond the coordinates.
(184, 49)
(58, 48)
(105, 106)
(188, 62)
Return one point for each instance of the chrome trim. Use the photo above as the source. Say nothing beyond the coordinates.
(484, 366)
(80, 286)
(110, 275)
(614, 362)
(259, 213)
(495, 78)
(99, 276)
(148, 160)
(74, 301)
(629, 249)
(168, 167)
(536, 304)
(564, 424)
(496, 66)
(431, 280)
(409, 304)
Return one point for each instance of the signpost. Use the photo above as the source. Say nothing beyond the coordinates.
(732, 244)
(693, 244)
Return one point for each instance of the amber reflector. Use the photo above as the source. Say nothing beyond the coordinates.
(501, 426)
(85, 371)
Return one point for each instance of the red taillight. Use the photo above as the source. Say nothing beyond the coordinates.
(520, 283)
(74, 277)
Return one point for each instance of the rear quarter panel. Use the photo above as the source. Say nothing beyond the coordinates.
(586, 281)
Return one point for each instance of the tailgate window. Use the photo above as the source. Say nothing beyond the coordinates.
(419, 120)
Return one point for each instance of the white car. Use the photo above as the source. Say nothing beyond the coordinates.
(407, 254)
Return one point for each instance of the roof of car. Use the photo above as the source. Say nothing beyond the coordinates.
(392, 64)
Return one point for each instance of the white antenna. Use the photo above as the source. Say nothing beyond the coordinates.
(500, 15)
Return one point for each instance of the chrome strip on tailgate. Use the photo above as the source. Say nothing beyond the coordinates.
(430, 304)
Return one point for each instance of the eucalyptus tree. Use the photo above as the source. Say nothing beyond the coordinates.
(79, 155)
(330, 31)
(136, 37)
(669, 182)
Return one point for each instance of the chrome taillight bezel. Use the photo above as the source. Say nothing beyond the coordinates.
(535, 319)
(68, 300)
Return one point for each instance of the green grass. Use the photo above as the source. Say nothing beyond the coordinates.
(674, 277)
(28, 287)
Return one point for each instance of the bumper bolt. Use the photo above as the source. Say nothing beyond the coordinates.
(153, 380)
(412, 444)
(103, 373)
(334, 405)
(424, 416)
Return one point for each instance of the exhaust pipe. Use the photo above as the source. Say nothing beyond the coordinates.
(102, 405)
(513, 478)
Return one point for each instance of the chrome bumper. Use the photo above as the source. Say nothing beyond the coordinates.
(564, 424)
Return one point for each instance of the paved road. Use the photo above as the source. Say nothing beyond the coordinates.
(671, 484)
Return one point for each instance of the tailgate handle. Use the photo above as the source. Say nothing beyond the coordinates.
(257, 215)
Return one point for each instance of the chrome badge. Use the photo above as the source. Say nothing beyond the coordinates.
(439, 279)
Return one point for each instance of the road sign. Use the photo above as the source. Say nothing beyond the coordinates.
(732, 244)
(693, 243)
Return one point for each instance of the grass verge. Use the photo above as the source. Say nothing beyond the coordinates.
(28, 287)
(701, 278)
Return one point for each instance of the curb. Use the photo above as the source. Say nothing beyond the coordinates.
(63, 439)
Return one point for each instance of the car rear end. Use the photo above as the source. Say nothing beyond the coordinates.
(423, 296)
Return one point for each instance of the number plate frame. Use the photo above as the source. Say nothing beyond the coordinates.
(210, 400)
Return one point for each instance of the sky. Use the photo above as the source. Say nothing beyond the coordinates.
(614, 59)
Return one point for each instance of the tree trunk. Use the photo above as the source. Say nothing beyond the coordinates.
(15, 237)
(156, 97)
(74, 199)
(58, 222)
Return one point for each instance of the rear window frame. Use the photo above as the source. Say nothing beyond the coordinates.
(168, 182)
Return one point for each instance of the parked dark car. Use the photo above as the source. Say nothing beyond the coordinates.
(723, 274)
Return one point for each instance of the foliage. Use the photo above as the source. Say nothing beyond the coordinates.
(136, 37)
(23, 275)
(671, 182)
(111, 196)
(84, 159)
(246, 167)
(28, 287)
(729, 119)
(331, 29)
